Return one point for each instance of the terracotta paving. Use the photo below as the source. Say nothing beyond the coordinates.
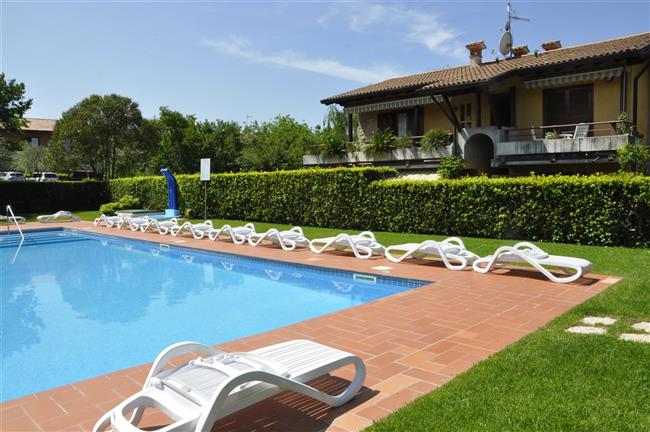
(412, 343)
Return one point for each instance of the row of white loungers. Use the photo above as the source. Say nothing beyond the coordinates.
(451, 251)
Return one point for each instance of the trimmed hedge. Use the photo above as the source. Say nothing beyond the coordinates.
(32, 197)
(316, 197)
(595, 210)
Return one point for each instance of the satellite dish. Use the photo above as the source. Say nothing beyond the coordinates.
(505, 45)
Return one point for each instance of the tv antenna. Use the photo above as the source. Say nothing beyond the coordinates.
(505, 45)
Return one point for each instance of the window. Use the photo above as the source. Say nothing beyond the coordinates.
(466, 115)
(568, 105)
(402, 123)
(35, 141)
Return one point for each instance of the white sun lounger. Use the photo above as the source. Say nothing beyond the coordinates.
(449, 249)
(110, 221)
(525, 252)
(363, 245)
(287, 240)
(198, 230)
(61, 214)
(237, 235)
(198, 393)
(136, 223)
(161, 226)
(16, 219)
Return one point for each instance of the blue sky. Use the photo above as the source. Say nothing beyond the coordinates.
(253, 60)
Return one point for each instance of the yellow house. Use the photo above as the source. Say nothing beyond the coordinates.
(555, 109)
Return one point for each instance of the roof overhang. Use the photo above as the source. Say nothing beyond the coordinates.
(561, 80)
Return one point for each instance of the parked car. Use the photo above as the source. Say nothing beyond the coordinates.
(82, 175)
(48, 177)
(13, 176)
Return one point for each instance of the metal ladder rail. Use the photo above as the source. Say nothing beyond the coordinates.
(13, 217)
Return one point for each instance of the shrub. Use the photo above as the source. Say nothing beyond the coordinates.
(633, 157)
(434, 139)
(126, 202)
(333, 143)
(316, 197)
(451, 167)
(382, 141)
(35, 197)
(551, 135)
(598, 210)
(595, 210)
(403, 142)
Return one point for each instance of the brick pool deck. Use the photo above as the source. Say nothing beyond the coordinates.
(412, 342)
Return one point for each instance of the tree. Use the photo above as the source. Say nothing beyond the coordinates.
(172, 150)
(333, 136)
(633, 157)
(278, 144)
(30, 159)
(105, 133)
(184, 140)
(13, 106)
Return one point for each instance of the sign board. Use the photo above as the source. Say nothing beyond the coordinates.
(205, 169)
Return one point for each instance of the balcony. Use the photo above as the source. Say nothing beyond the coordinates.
(557, 144)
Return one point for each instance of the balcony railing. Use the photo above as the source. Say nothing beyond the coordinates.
(602, 128)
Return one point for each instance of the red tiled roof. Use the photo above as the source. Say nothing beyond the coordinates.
(462, 75)
(42, 125)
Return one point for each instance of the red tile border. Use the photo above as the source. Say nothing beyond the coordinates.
(412, 342)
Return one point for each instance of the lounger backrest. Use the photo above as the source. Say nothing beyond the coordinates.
(581, 131)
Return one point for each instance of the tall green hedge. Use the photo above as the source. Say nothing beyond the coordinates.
(317, 197)
(597, 210)
(32, 197)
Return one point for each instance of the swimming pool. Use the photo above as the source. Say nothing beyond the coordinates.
(76, 305)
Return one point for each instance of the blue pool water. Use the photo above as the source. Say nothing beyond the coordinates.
(76, 305)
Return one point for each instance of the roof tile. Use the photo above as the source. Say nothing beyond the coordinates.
(467, 74)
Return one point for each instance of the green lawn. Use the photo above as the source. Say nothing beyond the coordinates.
(550, 380)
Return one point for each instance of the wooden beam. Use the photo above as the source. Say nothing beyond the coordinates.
(623, 103)
(478, 108)
(452, 113)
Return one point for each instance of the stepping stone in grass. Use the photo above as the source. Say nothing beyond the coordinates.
(586, 330)
(590, 320)
(642, 326)
(634, 337)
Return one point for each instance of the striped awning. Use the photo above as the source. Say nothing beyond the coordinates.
(603, 74)
(391, 105)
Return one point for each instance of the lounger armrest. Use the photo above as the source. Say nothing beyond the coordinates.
(176, 350)
(454, 240)
(220, 397)
(528, 245)
(368, 234)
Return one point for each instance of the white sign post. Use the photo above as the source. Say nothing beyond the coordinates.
(205, 178)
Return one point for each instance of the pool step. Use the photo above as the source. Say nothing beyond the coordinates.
(39, 238)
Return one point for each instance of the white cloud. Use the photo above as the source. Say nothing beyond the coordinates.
(242, 48)
(413, 26)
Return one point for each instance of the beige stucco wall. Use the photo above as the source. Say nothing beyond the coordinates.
(434, 118)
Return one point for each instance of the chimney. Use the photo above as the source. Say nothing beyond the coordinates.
(520, 50)
(475, 52)
(551, 45)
